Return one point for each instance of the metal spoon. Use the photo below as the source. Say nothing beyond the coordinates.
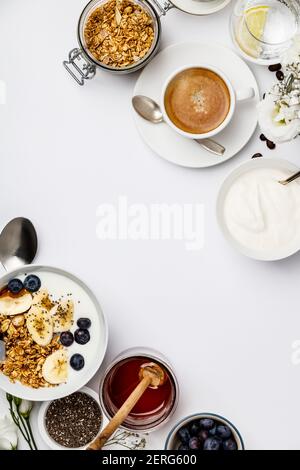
(290, 179)
(18, 243)
(18, 246)
(150, 110)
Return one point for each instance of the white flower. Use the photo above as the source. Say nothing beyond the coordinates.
(279, 123)
(8, 434)
(25, 408)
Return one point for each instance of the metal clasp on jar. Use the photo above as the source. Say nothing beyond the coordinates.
(163, 7)
(79, 67)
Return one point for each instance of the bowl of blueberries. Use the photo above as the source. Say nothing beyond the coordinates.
(204, 431)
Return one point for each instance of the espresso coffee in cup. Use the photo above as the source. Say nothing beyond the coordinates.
(197, 100)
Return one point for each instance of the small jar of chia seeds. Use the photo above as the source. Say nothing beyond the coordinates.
(72, 422)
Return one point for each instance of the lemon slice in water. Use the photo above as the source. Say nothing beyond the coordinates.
(251, 30)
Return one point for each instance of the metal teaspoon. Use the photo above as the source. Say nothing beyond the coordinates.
(150, 110)
(290, 179)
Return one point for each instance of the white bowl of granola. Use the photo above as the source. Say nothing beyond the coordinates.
(54, 330)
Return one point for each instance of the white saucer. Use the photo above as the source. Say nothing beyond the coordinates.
(165, 141)
(197, 7)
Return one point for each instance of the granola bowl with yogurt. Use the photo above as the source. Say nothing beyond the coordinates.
(53, 333)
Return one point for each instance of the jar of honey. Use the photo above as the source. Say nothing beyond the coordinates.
(155, 407)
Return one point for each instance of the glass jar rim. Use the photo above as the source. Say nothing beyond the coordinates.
(261, 41)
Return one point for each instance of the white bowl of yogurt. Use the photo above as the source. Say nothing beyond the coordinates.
(62, 284)
(257, 215)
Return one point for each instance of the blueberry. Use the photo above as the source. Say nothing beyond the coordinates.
(212, 432)
(82, 336)
(212, 443)
(15, 286)
(230, 444)
(66, 338)
(84, 323)
(194, 443)
(77, 361)
(32, 283)
(194, 428)
(184, 435)
(183, 447)
(203, 435)
(223, 431)
(207, 423)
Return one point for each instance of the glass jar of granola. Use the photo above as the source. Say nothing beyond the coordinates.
(122, 36)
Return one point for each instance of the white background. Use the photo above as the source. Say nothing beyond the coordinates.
(227, 323)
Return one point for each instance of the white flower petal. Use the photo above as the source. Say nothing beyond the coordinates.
(6, 424)
(269, 122)
(5, 444)
(8, 433)
(12, 437)
(25, 407)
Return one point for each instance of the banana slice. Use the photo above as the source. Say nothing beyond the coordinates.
(42, 299)
(55, 368)
(39, 325)
(15, 304)
(39, 296)
(62, 315)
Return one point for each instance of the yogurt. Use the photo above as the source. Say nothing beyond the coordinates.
(62, 286)
(261, 214)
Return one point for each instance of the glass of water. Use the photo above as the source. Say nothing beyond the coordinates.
(264, 29)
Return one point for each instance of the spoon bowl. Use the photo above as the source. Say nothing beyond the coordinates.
(18, 243)
(147, 109)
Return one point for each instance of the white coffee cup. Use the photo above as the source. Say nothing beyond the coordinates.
(242, 94)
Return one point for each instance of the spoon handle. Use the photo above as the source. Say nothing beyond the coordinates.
(121, 415)
(290, 179)
(211, 146)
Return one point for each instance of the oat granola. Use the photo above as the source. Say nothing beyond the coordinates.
(119, 33)
(24, 357)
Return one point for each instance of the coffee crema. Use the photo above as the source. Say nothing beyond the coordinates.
(197, 100)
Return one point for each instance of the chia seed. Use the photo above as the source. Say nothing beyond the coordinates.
(73, 421)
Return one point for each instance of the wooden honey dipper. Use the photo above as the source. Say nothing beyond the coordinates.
(150, 375)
